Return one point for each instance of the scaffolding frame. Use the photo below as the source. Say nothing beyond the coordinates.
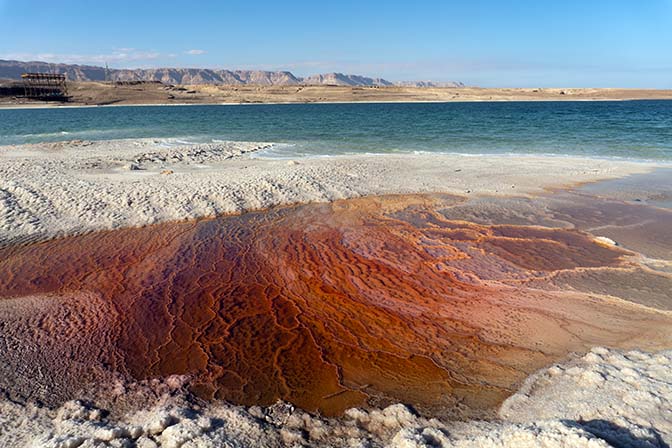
(45, 86)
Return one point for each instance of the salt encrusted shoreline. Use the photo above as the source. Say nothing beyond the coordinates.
(604, 398)
(53, 189)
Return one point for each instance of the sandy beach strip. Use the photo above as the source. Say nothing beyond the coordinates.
(151, 93)
(52, 189)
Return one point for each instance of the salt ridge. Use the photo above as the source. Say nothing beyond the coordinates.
(605, 398)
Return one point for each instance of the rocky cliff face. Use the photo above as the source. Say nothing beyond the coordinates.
(429, 84)
(205, 76)
(14, 69)
(339, 79)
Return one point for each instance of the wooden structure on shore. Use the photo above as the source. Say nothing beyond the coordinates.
(45, 86)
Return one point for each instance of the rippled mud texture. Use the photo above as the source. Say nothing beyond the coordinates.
(327, 306)
(622, 210)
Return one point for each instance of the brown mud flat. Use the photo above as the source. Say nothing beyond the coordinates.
(327, 306)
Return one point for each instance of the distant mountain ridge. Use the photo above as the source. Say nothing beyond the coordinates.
(340, 79)
(14, 69)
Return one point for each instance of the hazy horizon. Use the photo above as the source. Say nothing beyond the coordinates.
(486, 43)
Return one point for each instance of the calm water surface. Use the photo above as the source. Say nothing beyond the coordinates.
(628, 129)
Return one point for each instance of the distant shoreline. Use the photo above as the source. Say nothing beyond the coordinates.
(96, 94)
(279, 103)
(93, 106)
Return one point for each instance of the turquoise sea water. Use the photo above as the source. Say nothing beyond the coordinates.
(628, 129)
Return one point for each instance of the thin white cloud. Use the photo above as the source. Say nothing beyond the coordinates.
(195, 52)
(117, 56)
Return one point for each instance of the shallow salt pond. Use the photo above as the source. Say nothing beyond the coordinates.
(431, 300)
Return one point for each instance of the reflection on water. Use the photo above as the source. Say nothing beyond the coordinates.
(650, 188)
(330, 306)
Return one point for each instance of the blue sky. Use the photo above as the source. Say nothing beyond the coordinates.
(569, 43)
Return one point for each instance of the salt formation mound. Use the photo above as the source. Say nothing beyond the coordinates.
(607, 398)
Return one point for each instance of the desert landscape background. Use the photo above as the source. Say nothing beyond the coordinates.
(87, 85)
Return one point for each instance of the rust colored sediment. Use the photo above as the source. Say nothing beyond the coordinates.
(328, 306)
